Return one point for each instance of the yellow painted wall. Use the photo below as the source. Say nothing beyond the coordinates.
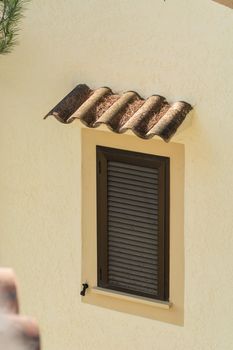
(182, 49)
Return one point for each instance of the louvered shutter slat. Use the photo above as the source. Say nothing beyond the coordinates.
(137, 223)
(132, 197)
(137, 230)
(132, 182)
(127, 238)
(141, 266)
(137, 271)
(117, 202)
(134, 259)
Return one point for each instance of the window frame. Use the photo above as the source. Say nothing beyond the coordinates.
(103, 155)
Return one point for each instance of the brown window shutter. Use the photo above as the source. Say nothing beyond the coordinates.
(132, 222)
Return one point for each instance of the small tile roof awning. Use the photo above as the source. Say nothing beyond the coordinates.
(122, 112)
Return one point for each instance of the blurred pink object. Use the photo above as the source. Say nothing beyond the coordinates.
(16, 332)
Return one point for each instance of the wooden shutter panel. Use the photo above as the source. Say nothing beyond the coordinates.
(132, 225)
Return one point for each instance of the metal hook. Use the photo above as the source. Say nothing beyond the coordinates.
(83, 291)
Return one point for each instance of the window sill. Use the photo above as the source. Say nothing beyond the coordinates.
(166, 305)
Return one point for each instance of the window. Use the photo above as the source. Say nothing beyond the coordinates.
(133, 222)
(167, 303)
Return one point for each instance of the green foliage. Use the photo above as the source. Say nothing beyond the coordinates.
(10, 15)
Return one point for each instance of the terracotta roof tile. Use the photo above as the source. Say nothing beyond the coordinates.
(228, 3)
(122, 112)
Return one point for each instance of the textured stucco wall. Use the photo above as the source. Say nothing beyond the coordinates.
(182, 49)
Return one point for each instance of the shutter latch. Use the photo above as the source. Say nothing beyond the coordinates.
(83, 291)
